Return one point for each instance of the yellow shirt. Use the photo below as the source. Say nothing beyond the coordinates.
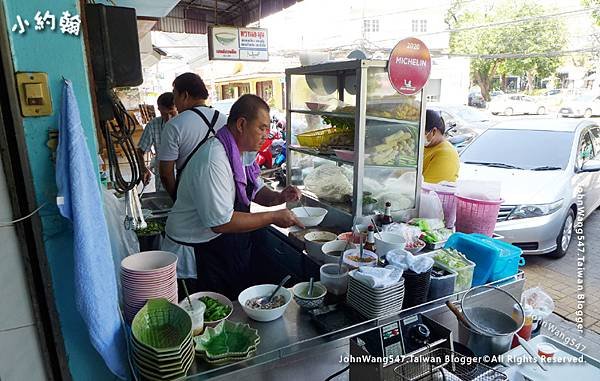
(440, 163)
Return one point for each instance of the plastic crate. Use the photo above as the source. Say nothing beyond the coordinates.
(441, 286)
(482, 251)
(326, 137)
(464, 274)
(509, 259)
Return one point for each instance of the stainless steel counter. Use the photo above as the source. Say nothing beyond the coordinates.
(296, 336)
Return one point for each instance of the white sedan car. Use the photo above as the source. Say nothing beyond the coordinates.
(581, 106)
(516, 104)
(549, 171)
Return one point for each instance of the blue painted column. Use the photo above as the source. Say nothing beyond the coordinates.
(58, 54)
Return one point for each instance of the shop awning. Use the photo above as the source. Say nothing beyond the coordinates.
(194, 16)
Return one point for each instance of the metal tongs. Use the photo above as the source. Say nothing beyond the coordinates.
(134, 218)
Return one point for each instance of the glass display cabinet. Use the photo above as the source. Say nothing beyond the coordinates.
(353, 142)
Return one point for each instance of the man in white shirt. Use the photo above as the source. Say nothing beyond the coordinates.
(212, 210)
(151, 137)
(182, 134)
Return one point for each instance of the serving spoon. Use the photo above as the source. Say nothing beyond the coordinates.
(267, 299)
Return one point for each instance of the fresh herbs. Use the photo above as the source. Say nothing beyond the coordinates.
(152, 228)
(215, 310)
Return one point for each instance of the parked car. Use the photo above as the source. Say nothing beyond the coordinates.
(463, 123)
(476, 100)
(581, 106)
(516, 104)
(553, 92)
(544, 166)
(496, 93)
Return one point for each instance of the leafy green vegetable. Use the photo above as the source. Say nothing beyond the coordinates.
(452, 259)
(152, 228)
(438, 235)
(215, 310)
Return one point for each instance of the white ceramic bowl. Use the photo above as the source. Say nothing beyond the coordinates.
(220, 298)
(149, 262)
(356, 252)
(310, 216)
(313, 246)
(386, 241)
(335, 282)
(264, 290)
(332, 246)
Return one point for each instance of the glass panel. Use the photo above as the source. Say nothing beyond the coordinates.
(324, 180)
(316, 93)
(380, 185)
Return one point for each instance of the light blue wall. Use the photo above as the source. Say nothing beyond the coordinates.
(58, 55)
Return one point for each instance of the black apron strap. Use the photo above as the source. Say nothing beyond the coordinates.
(211, 129)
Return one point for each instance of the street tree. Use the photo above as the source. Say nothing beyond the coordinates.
(506, 38)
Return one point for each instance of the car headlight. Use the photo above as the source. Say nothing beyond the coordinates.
(528, 211)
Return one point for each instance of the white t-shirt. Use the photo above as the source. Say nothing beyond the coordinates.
(205, 196)
(183, 133)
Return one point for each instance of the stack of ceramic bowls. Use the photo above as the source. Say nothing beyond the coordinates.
(227, 342)
(375, 302)
(161, 341)
(147, 275)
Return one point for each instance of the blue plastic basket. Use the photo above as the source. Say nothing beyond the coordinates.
(482, 252)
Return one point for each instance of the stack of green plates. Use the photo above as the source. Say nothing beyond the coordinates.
(227, 342)
(161, 341)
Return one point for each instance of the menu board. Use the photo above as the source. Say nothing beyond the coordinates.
(237, 44)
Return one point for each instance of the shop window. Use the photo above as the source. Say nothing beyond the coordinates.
(264, 89)
(371, 25)
(419, 26)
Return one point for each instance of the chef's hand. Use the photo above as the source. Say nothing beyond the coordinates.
(290, 193)
(284, 218)
(146, 176)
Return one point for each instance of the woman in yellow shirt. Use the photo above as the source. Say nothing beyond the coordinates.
(440, 159)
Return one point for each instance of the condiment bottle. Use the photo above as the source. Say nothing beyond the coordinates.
(525, 331)
(387, 215)
(370, 244)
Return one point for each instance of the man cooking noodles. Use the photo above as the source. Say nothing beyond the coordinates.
(212, 210)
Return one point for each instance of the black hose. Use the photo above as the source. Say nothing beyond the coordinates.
(120, 134)
(337, 373)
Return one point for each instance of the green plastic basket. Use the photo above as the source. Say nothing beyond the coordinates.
(162, 326)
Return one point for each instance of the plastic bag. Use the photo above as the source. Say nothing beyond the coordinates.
(427, 224)
(479, 190)
(329, 183)
(409, 232)
(431, 206)
(122, 242)
(540, 302)
(404, 260)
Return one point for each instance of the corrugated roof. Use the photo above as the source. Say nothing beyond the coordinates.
(194, 16)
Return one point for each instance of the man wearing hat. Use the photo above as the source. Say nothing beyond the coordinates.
(440, 159)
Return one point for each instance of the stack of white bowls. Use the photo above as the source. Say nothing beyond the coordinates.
(147, 275)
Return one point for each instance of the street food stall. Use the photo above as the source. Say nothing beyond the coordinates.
(354, 144)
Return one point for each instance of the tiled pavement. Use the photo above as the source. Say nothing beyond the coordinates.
(559, 279)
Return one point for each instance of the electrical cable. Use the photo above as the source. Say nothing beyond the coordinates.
(120, 135)
(11, 223)
(337, 373)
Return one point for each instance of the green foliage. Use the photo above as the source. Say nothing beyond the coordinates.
(490, 43)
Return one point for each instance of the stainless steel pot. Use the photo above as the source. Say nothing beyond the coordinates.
(484, 344)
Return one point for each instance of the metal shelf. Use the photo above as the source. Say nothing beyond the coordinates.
(351, 116)
(333, 157)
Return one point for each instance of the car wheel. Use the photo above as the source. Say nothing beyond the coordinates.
(495, 113)
(564, 238)
(508, 111)
(541, 110)
(587, 113)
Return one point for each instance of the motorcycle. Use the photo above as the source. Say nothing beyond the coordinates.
(272, 152)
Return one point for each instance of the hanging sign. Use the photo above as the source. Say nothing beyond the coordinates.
(237, 44)
(409, 66)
